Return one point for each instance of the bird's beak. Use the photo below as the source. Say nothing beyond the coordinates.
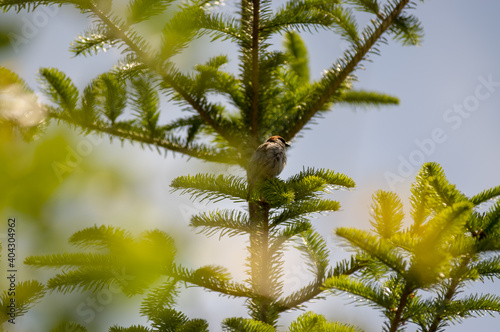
(287, 144)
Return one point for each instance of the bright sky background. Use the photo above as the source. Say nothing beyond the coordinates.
(460, 51)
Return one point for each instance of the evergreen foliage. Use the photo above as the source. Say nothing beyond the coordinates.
(416, 274)
(448, 245)
(270, 84)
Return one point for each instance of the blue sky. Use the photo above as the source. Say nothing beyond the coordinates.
(449, 89)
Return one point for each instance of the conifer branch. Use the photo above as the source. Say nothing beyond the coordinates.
(209, 186)
(140, 10)
(310, 321)
(116, 31)
(387, 212)
(398, 320)
(302, 296)
(333, 80)
(59, 87)
(159, 298)
(65, 326)
(317, 287)
(27, 293)
(362, 98)
(475, 305)
(296, 209)
(246, 325)
(365, 289)
(379, 248)
(281, 236)
(485, 195)
(212, 278)
(69, 260)
(227, 222)
(453, 284)
(135, 136)
(92, 41)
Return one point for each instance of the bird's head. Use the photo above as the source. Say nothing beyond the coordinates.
(277, 139)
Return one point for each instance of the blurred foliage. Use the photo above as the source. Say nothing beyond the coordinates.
(29, 184)
(128, 263)
(28, 175)
(45, 183)
(132, 265)
(36, 174)
(417, 274)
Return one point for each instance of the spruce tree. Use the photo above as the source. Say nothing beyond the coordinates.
(271, 94)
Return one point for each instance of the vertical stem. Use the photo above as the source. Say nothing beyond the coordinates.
(396, 321)
(260, 262)
(452, 289)
(265, 278)
(255, 72)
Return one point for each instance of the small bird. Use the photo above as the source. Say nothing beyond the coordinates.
(267, 161)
